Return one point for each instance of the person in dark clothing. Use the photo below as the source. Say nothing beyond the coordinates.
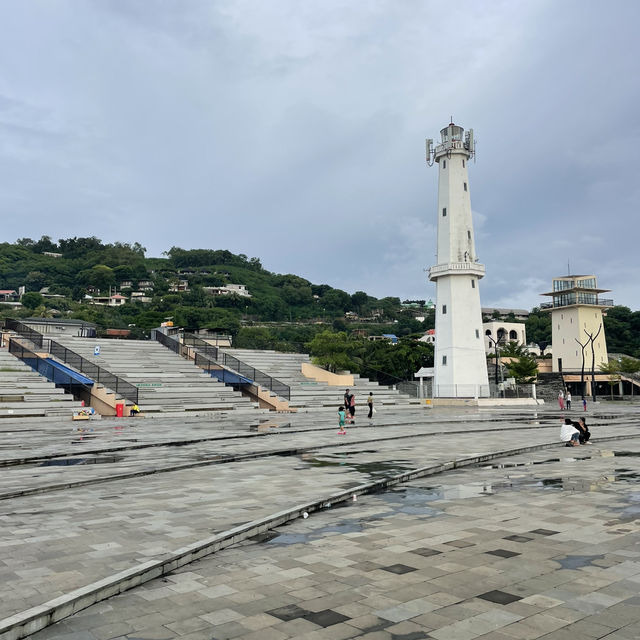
(350, 404)
(370, 403)
(585, 434)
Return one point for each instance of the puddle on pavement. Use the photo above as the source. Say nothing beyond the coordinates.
(374, 469)
(577, 562)
(69, 462)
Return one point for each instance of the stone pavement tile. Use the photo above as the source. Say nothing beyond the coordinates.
(340, 631)
(543, 602)
(295, 628)
(246, 596)
(618, 616)
(592, 602)
(376, 635)
(61, 631)
(265, 634)
(259, 621)
(369, 622)
(108, 631)
(188, 625)
(217, 591)
(154, 633)
(221, 616)
(405, 628)
(589, 628)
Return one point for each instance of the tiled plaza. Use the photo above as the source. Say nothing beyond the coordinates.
(538, 545)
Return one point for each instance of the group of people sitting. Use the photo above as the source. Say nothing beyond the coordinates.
(574, 433)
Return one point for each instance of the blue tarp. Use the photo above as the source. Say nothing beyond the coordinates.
(230, 378)
(56, 372)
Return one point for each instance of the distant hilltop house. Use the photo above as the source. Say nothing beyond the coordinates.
(228, 289)
(181, 285)
(145, 285)
(8, 295)
(429, 337)
(45, 293)
(389, 337)
(108, 301)
(139, 296)
(52, 254)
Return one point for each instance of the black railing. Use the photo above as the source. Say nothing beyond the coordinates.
(94, 371)
(90, 369)
(220, 358)
(556, 304)
(247, 371)
(170, 343)
(25, 331)
(43, 367)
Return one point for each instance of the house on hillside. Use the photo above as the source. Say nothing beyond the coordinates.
(145, 285)
(8, 295)
(181, 285)
(228, 289)
(108, 301)
(139, 296)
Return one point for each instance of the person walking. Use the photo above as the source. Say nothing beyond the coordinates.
(561, 400)
(568, 400)
(342, 418)
(347, 400)
(370, 404)
(352, 409)
(584, 404)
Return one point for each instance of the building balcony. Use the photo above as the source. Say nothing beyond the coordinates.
(456, 269)
(557, 304)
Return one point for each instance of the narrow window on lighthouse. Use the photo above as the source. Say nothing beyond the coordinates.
(444, 359)
(444, 212)
(477, 333)
(463, 164)
(468, 234)
(444, 164)
(473, 284)
(465, 186)
(444, 308)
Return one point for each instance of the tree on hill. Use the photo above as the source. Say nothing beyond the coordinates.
(330, 350)
(31, 300)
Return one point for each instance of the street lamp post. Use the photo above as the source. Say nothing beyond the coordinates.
(494, 344)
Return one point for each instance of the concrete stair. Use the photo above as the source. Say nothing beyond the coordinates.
(167, 382)
(307, 393)
(25, 393)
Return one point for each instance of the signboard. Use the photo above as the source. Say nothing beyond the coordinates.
(146, 385)
(96, 350)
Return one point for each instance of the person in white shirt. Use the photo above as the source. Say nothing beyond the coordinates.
(569, 434)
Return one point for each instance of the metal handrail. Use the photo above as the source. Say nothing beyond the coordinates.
(92, 370)
(43, 367)
(219, 357)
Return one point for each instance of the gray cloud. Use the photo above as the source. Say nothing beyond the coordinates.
(295, 132)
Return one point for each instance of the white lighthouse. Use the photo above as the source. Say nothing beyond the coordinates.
(460, 361)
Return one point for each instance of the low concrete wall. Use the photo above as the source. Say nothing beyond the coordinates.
(266, 400)
(508, 402)
(322, 375)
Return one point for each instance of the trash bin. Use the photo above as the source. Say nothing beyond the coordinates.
(119, 410)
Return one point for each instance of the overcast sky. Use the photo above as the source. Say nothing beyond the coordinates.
(294, 131)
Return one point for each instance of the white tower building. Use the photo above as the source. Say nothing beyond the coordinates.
(460, 360)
